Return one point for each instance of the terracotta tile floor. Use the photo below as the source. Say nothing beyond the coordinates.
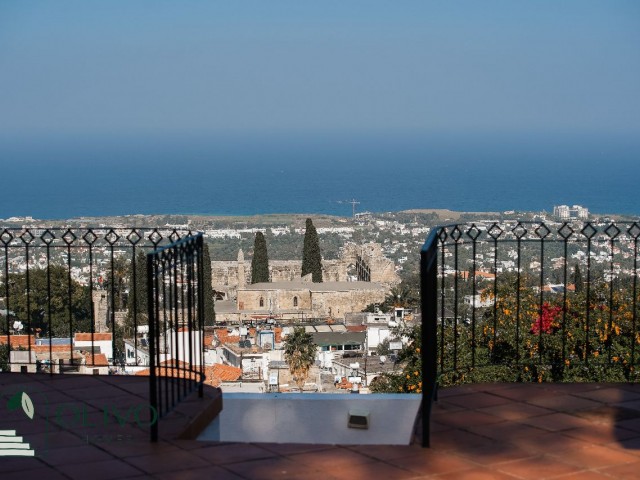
(489, 431)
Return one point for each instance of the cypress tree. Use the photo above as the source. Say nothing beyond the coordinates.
(137, 299)
(577, 279)
(311, 256)
(137, 302)
(260, 260)
(209, 309)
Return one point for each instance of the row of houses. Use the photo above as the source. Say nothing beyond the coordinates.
(229, 355)
(258, 351)
(87, 353)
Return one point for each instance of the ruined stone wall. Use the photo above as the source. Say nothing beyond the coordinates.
(285, 270)
(334, 271)
(225, 276)
(281, 300)
(336, 304)
(381, 268)
(228, 276)
(325, 303)
(102, 314)
(100, 309)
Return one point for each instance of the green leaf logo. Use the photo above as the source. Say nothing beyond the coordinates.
(14, 402)
(23, 400)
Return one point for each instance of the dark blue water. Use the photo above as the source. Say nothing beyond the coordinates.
(62, 177)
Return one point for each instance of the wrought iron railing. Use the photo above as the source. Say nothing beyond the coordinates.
(70, 297)
(79, 300)
(176, 324)
(529, 301)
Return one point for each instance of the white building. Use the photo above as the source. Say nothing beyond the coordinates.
(476, 301)
(376, 334)
(137, 353)
(183, 346)
(103, 341)
(564, 212)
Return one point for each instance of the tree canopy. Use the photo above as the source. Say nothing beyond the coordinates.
(311, 255)
(118, 274)
(577, 279)
(260, 260)
(4, 358)
(61, 308)
(137, 299)
(300, 354)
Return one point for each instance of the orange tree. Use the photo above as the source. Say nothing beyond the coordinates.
(526, 337)
(409, 379)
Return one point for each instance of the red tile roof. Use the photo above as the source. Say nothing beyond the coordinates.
(223, 336)
(16, 340)
(54, 348)
(479, 274)
(215, 374)
(219, 373)
(175, 363)
(99, 359)
(166, 370)
(97, 337)
(356, 328)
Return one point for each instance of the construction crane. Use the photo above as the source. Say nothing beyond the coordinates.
(353, 203)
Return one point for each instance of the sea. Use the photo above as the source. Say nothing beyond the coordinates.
(65, 176)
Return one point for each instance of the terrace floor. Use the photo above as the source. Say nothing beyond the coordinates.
(501, 431)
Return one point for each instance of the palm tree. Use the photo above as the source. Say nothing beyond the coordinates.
(300, 354)
(400, 296)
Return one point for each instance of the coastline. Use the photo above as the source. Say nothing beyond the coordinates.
(137, 219)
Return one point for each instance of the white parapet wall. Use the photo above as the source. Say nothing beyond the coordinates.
(314, 418)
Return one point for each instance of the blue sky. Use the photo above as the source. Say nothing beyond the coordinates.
(216, 67)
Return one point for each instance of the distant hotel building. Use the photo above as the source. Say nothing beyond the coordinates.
(565, 212)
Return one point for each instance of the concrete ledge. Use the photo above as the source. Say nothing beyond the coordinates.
(192, 415)
(314, 419)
